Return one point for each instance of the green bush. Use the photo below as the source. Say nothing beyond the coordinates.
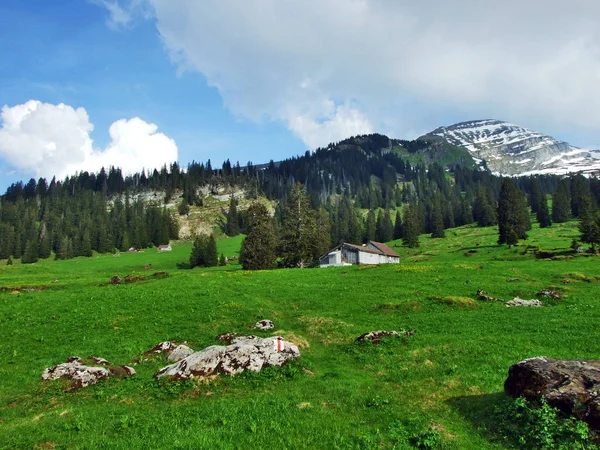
(537, 425)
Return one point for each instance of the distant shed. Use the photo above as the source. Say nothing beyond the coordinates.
(349, 254)
(164, 248)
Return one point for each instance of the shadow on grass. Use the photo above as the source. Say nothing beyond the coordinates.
(183, 265)
(478, 247)
(482, 412)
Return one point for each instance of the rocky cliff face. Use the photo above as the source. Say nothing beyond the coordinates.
(509, 149)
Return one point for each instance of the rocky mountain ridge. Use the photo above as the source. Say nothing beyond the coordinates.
(509, 149)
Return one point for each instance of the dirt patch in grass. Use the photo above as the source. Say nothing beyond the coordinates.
(20, 289)
(133, 278)
(459, 302)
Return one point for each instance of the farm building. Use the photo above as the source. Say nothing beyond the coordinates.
(164, 248)
(370, 253)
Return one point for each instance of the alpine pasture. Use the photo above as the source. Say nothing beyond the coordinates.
(441, 388)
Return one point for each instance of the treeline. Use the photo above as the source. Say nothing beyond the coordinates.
(77, 222)
(95, 212)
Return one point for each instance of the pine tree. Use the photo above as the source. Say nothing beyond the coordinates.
(85, 247)
(222, 260)
(543, 214)
(198, 256)
(298, 231)
(258, 248)
(589, 222)
(212, 257)
(45, 249)
(513, 214)
(398, 226)
(370, 226)
(561, 210)
(322, 241)
(483, 209)
(385, 228)
(410, 229)
(232, 227)
(30, 255)
(437, 221)
(536, 198)
(184, 208)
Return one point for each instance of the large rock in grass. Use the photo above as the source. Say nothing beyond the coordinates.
(570, 385)
(244, 353)
(81, 373)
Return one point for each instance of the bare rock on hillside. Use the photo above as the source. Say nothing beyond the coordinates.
(245, 353)
(82, 374)
(483, 295)
(549, 293)
(180, 352)
(264, 325)
(226, 337)
(375, 336)
(520, 302)
(115, 280)
(571, 385)
(165, 347)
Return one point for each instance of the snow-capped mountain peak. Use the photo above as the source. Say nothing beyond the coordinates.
(510, 149)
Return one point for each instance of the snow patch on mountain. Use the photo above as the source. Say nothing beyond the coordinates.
(510, 149)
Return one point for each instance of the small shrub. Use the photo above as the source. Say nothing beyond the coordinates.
(537, 425)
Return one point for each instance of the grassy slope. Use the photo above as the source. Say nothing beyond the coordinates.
(449, 374)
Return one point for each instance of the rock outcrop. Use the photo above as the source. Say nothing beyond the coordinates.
(81, 373)
(264, 325)
(375, 336)
(520, 302)
(571, 385)
(180, 352)
(244, 353)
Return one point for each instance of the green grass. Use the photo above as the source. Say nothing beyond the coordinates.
(445, 382)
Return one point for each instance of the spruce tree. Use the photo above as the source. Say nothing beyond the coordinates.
(198, 256)
(398, 226)
(370, 226)
(385, 228)
(589, 222)
(410, 228)
(30, 255)
(535, 198)
(232, 227)
(437, 221)
(298, 231)
(484, 212)
(85, 246)
(222, 260)
(513, 214)
(45, 249)
(258, 248)
(561, 209)
(543, 214)
(212, 257)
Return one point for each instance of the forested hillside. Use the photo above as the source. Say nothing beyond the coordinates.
(363, 188)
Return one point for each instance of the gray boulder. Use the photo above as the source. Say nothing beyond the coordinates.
(264, 325)
(520, 302)
(375, 336)
(180, 352)
(244, 353)
(82, 374)
(571, 385)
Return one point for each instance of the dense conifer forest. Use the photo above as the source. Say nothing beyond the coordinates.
(363, 188)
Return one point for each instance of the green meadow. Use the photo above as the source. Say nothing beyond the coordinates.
(441, 388)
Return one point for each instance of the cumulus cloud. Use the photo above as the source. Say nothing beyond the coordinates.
(121, 15)
(55, 140)
(330, 68)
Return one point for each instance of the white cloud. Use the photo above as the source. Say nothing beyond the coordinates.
(329, 68)
(121, 15)
(55, 140)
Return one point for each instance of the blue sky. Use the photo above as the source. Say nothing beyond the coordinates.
(267, 79)
(68, 54)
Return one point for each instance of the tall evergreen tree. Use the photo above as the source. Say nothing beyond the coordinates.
(589, 222)
(198, 256)
(410, 227)
(513, 214)
(232, 227)
(298, 231)
(258, 248)
(385, 228)
(437, 221)
(398, 226)
(30, 255)
(370, 226)
(484, 211)
(535, 198)
(212, 257)
(543, 214)
(561, 210)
